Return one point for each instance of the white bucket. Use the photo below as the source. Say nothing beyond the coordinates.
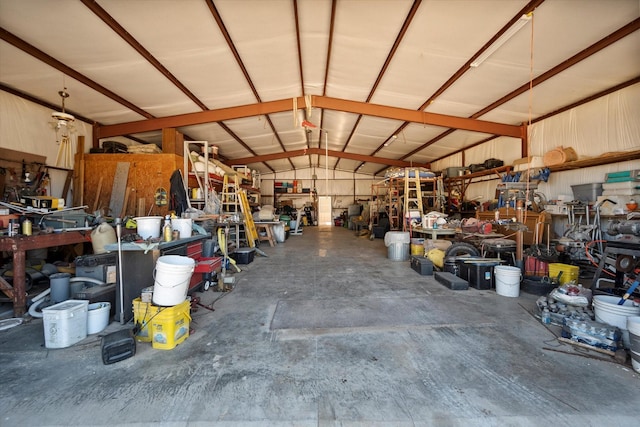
(172, 275)
(183, 225)
(633, 325)
(98, 317)
(278, 232)
(608, 311)
(148, 226)
(635, 361)
(507, 280)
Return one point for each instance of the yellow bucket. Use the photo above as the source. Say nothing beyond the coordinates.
(417, 250)
(170, 326)
(569, 272)
(417, 246)
(163, 327)
(142, 313)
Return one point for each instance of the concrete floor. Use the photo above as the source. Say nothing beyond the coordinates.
(326, 331)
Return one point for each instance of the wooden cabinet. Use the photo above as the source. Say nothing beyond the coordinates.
(540, 221)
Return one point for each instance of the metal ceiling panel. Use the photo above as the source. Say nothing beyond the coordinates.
(338, 126)
(90, 47)
(264, 34)
(371, 133)
(290, 131)
(278, 165)
(314, 17)
(363, 36)
(588, 77)
(45, 81)
(189, 51)
(578, 28)
(424, 60)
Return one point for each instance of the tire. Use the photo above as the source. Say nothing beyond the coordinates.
(536, 286)
(461, 248)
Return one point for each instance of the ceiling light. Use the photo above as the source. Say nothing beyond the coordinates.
(63, 121)
(390, 140)
(502, 39)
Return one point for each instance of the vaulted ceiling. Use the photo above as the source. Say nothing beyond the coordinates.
(382, 82)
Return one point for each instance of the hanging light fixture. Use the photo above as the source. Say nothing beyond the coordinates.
(63, 121)
(511, 31)
(63, 125)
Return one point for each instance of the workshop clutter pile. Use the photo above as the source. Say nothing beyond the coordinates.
(74, 306)
(597, 322)
(622, 189)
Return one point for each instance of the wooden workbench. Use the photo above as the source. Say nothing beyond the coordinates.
(19, 245)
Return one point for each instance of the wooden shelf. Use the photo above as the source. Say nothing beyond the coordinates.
(487, 172)
(597, 161)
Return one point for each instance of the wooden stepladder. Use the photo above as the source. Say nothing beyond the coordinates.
(412, 193)
(250, 226)
(230, 200)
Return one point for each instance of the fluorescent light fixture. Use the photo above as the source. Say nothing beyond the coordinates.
(390, 140)
(524, 19)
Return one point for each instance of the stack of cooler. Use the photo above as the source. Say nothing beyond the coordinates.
(620, 187)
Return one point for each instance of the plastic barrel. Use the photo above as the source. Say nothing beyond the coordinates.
(60, 289)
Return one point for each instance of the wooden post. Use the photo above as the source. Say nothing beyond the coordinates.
(172, 142)
(78, 174)
(96, 202)
(519, 233)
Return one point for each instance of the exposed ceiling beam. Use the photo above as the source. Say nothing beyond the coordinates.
(321, 152)
(414, 116)
(385, 66)
(624, 31)
(568, 107)
(243, 68)
(124, 34)
(580, 56)
(528, 8)
(44, 103)
(332, 24)
(51, 61)
(230, 113)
